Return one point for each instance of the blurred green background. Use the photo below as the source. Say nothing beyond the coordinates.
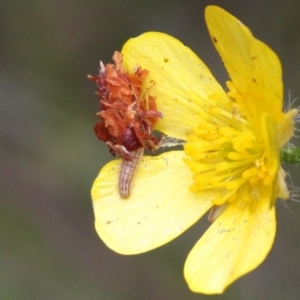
(50, 156)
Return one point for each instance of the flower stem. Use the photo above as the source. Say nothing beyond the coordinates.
(290, 154)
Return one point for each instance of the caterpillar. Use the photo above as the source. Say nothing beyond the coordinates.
(128, 168)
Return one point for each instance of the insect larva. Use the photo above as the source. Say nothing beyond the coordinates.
(127, 171)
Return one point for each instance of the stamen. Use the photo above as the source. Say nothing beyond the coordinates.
(225, 155)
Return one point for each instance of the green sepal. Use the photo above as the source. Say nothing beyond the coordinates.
(290, 154)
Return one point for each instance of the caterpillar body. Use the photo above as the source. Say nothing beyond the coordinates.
(128, 168)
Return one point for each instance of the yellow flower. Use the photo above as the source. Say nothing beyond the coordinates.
(230, 162)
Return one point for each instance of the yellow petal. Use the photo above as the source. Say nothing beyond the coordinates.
(253, 67)
(182, 81)
(236, 243)
(160, 206)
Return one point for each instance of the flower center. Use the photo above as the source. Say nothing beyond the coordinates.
(228, 156)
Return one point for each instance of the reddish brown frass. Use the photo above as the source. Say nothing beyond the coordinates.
(126, 118)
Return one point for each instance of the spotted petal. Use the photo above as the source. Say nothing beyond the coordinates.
(253, 67)
(178, 78)
(236, 243)
(159, 208)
